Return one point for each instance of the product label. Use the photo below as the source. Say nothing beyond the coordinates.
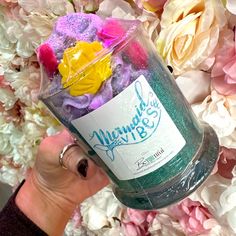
(133, 134)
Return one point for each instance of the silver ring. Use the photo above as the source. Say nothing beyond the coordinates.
(66, 148)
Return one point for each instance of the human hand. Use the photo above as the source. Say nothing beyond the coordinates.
(54, 192)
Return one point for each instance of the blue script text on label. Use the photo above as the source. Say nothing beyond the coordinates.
(133, 134)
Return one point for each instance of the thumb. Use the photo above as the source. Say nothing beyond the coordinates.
(75, 160)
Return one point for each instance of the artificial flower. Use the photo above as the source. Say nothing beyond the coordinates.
(8, 3)
(226, 162)
(57, 7)
(101, 210)
(7, 97)
(220, 113)
(78, 75)
(195, 85)
(151, 5)
(6, 131)
(189, 32)
(25, 83)
(86, 5)
(164, 224)
(122, 10)
(231, 6)
(193, 217)
(136, 222)
(11, 175)
(223, 72)
(217, 194)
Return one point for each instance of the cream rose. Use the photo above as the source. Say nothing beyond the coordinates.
(190, 32)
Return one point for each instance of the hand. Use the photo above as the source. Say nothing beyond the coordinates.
(53, 192)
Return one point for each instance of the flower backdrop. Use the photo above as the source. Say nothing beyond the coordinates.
(195, 38)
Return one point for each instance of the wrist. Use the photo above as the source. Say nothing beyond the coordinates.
(48, 210)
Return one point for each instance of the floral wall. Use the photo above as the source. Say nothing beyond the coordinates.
(195, 38)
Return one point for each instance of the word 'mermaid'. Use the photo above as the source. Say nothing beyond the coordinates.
(142, 125)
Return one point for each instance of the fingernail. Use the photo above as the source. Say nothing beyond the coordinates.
(170, 68)
(82, 167)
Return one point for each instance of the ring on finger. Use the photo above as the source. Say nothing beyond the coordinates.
(64, 150)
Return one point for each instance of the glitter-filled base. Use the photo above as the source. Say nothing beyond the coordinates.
(179, 186)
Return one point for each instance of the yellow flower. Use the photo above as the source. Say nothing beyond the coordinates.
(78, 74)
(190, 32)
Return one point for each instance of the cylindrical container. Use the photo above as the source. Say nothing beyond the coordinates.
(137, 126)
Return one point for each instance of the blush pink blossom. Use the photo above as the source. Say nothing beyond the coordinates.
(224, 69)
(193, 217)
(8, 3)
(227, 162)
(137, 222)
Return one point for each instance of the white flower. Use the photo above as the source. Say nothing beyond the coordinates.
(218, 195)
(231, 6)
(189, 32)
(10, 175)
(164, 225)
(6, 131)
(25, 143)
(6, 47)
(26, 84)
(57, 7)
(99, 211)
(220, 113)
(7, 97)
(195, 85)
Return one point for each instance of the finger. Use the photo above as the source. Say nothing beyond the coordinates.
(76, 161)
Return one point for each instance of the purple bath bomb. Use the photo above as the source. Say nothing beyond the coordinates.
(72, 28)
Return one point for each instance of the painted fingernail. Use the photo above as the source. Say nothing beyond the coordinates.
(170, 68)
(82, 167)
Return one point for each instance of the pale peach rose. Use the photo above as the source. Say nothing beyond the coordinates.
(151, 5)
(190, 32)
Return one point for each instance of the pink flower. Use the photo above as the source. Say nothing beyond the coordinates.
(3, 83)
(137, 222)
(48, 59)
(193, 217)
(110, 32)
(8, 3)
(227, 162)
(224, 69)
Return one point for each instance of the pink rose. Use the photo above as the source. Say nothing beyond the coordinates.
(193, 217)
(137, 222)
(223, 72)
(227, 162)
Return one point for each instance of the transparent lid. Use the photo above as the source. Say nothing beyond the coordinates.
(113, 35)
